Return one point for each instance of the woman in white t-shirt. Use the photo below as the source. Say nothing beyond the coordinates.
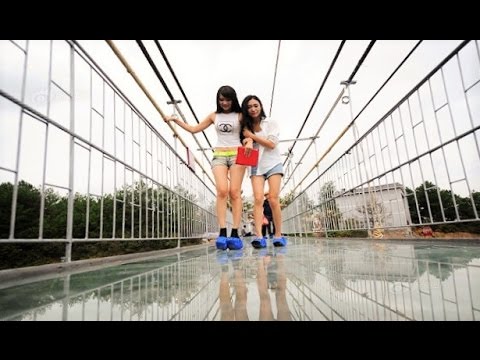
(227, 120)
(263, 133)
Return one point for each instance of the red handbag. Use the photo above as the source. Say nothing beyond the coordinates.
(242, 159)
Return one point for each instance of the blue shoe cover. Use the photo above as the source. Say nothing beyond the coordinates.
(259, 242)
(221, 243)
(281, 241)
(234, 243)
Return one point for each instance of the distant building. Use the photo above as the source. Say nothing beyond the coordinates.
(386, 205)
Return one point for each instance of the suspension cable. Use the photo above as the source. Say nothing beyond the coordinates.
(362, 59)
(332, 64)
(357, 67)
(313, 138)
(155, 70)
(366, 105)
(386, 81)
(180, 87)
(129, 69)
(274, 77)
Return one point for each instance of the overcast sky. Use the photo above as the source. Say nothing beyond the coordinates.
(249, 67)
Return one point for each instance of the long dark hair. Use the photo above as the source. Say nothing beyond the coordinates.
(229, 93)
(247, 120)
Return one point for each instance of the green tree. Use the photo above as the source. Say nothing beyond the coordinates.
(27, 217)
(136, 206)
(431, 200)
(287, 199)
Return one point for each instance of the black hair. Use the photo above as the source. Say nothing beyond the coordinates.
(229, 93)
(247, 121)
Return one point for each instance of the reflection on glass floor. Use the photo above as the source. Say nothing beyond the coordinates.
(314, 279)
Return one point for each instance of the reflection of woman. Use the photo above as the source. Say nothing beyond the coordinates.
(270, 277)
(283, 312)
(262, 283)
(228, 312)
(271, 274)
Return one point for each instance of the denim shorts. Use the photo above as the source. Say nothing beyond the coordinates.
(224, 158)
(277, 169)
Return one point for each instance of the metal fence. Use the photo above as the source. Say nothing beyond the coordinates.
(418, 166)
(79, 162)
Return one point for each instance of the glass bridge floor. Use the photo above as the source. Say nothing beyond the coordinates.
(309, 279)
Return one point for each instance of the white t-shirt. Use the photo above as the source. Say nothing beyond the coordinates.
(228, 129)
(268, 158)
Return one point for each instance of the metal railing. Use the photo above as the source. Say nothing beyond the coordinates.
(416, 167)
(79, 162)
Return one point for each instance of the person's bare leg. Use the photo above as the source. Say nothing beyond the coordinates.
(283, 312)
(274, 182)
(240, 307)
(226, 308)
(258, 183)
(237, 173)
(221, 183)
(266, 313)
